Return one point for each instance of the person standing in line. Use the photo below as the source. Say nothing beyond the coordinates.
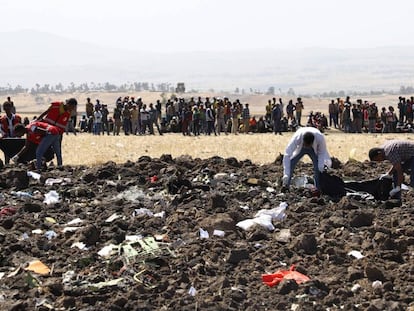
(220, 123)
(117, 119)
(372, 117)
(210, 120)
(89, 114)
(333, 114)
(154, 112)
(126, 119)
(105, 122)
(97, 121)
(246, 118)
(235, 118)
(290, 108)
(299, 109)
(277, 119)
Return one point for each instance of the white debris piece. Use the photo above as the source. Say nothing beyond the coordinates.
(51, 197)
(356, 254)
(204, 234)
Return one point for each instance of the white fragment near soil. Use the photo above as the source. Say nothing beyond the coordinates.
(283, 236)
(219, 233)
(143, 211)
(192, 291)
(133, 238)
(377, 284)
(51, 197)
(221, 176)
(67, 276)
(74, 222)
(70, 229)
(112, 217)
(34, 175)
(356, 254)
(160, 214)
(80, 245)
(265, 217)
(355, 288)
(204, 234)
(106, 250)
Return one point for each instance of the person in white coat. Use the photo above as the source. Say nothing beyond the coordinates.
(310, 141)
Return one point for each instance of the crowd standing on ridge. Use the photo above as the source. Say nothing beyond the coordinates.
(191, 117)
(364, 116)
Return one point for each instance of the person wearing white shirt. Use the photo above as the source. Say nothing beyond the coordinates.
(97, 121)
(310, 141)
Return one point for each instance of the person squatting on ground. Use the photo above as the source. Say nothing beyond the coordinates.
(41, 134)
(58, 115)
(310, 141)
(401, 155)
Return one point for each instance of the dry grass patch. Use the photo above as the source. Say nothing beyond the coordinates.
(259, 148)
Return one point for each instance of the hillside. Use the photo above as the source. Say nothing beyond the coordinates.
(34, 57)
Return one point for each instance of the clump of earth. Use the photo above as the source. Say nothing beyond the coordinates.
(163, 234)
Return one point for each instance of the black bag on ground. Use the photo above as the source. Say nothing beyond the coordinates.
(378, 188)
(331, 185)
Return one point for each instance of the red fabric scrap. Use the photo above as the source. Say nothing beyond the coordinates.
(280, 275)
(7, 211)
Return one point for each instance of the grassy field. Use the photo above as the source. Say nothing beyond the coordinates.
(259, 148)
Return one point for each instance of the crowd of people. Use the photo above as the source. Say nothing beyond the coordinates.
(201, 116)
(364, 116)
(213, 116)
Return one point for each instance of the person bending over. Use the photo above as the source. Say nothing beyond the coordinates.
(310, 141)
(401, 155)
(41, 134)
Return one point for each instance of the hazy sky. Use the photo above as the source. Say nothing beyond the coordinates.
(193, 25)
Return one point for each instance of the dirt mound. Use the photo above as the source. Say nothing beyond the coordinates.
(162, 234)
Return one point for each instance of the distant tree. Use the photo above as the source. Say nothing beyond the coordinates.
(291, 92)
(236, 91)
(180, 87)
(271, 91)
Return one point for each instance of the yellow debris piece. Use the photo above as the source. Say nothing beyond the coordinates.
(38, 267)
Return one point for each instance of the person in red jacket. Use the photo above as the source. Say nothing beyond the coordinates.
(9, 120)
(7, 123)
(58, 115)
(41, 134)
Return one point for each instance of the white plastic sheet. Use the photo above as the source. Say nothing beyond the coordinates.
(51, 197)
(264, 218)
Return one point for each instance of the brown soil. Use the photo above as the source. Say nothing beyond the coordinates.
(187, 272)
